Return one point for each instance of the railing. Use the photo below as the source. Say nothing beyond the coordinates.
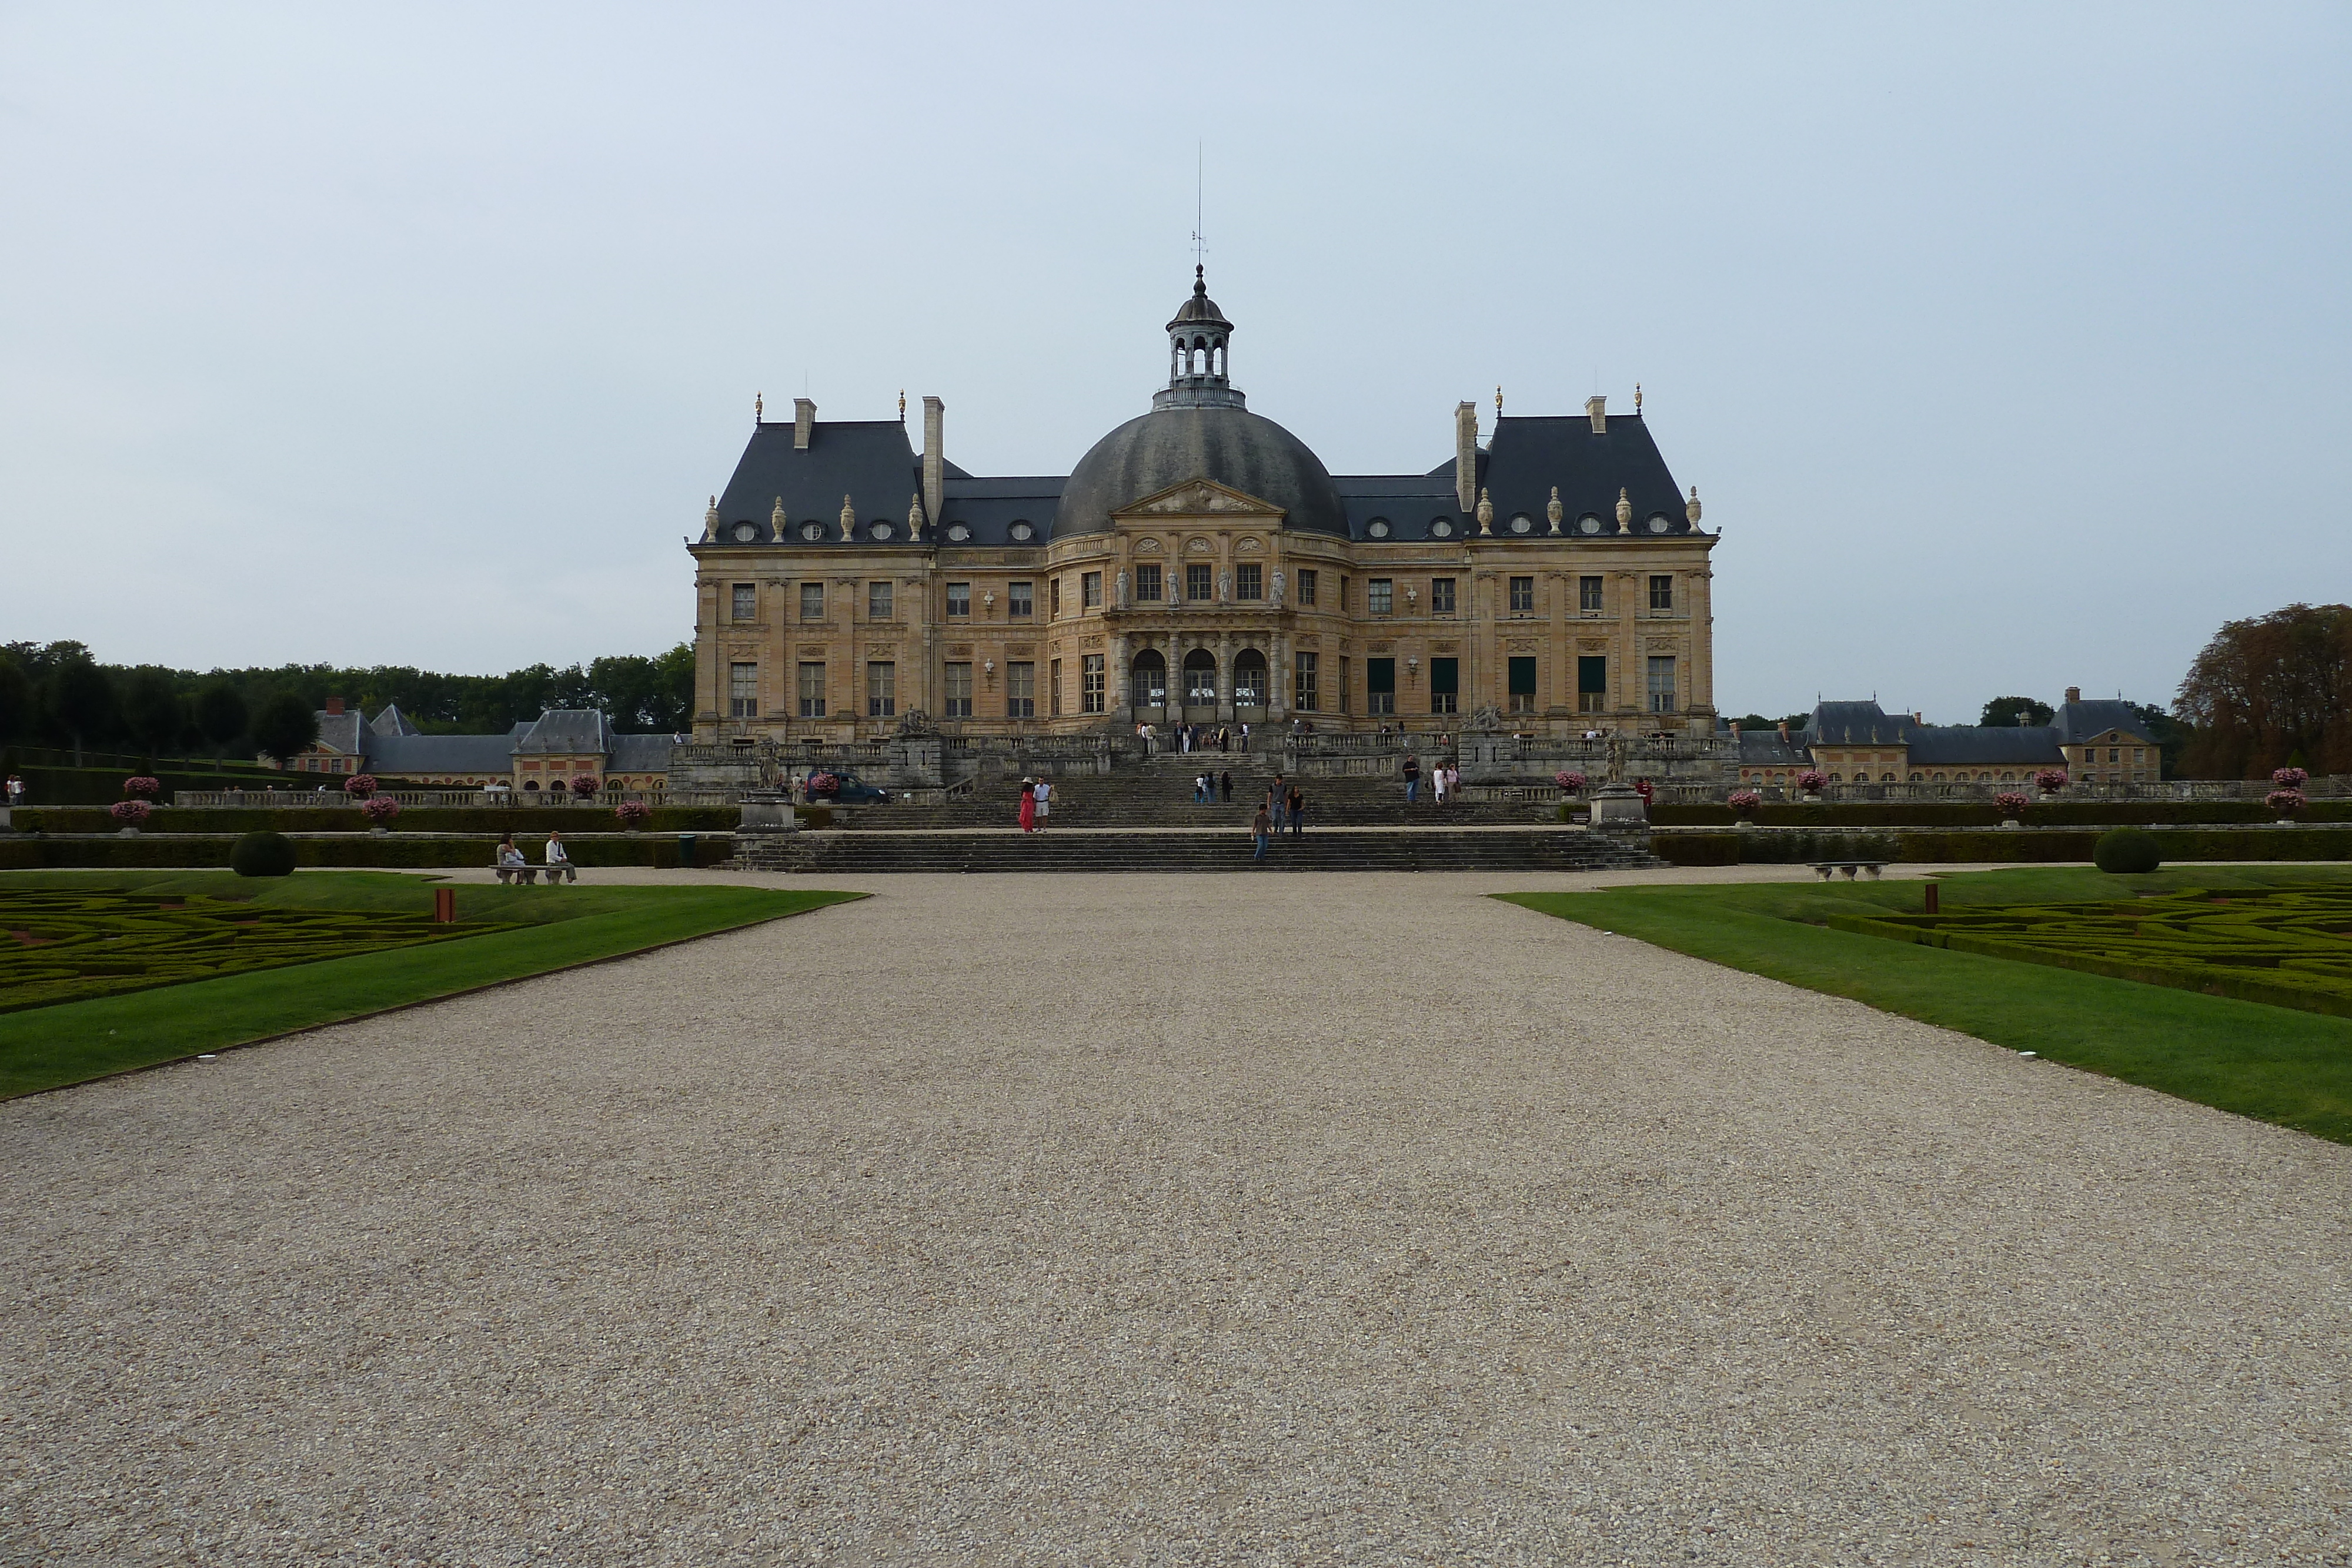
(293, 800)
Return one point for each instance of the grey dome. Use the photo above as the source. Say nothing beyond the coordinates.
(1226, 446)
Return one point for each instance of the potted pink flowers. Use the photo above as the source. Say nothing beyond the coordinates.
(584, 786)
(360, 786)
(2285, 803)
(2050, 780)
(633, 814)
(1811, 782)
(2290, 777)
(1571, 781)
(2013, 806)
(141, 787)
(130, 813)
(381, 809)
(1743, 804)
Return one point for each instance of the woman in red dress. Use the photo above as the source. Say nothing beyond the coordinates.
(1028, 806)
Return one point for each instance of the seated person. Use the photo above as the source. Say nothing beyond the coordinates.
(559, 865)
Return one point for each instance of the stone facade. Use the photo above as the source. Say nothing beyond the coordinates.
(1242, 586)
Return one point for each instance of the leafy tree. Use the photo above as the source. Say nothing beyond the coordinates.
(285, 725)
(80, 699)
(2003, 711)
(2266, 688)
(1748, 723)
(221, 714)
(17, 708)
(152, 710)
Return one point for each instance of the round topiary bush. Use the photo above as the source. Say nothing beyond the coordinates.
(2126, 852)
(263, 854)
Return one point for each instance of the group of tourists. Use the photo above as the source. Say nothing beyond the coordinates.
(1285, 805)
(1036, 803)
(1445, 780)
(1188, 737)
(1205, 787)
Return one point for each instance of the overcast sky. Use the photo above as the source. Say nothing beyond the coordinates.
(2007, 347)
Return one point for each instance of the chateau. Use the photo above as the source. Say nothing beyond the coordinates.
(1200, 564)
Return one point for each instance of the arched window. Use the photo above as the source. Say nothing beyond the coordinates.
(1200, 678)
(1249, 678)
(1150, 682)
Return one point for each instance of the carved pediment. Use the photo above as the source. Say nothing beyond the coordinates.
(1200, 547)
(1147, 547)
(1247, 546)
(1199, 497)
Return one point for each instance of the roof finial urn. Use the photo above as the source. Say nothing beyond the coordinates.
(1498, 405)
(902, 405)
(1486, 514)
(758, 407)
(1624, 512)
(848, 518)
(1637, 397)
(1554, 511)
(915, 516)
(1693, 508)
(776, 517)
(711, 520)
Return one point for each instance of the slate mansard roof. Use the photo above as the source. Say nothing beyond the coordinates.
(1932, 745)
(2076, 722)
(395, 747)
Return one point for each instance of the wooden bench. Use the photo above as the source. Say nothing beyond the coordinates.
(1823, 868)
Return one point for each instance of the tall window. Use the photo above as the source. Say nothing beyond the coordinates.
(959, 599)
(812, 600)
(1020, 600)
(1052, 598)
(1591, 681)
(1588, 595)
(1197, 583)
(959, 696)
(1021, 690)
(1147, 584)
(1303, 685)
(1661, 684)
(1053, 687)
(1441, 596)
(1090, 683)
(1381, 596)
(811, 691)
(1662, 592)
(1249, 581)
(1347, 599)
(744, 603)
(877, 602)
(1380, 687)
(743, 691)
(1347, 692)
(1307, 586)
(1523, 596)
(881, 689)
(1522, 682)
(1090, 590)
(1444, 685)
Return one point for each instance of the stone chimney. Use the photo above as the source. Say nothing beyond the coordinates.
(1465, 454)
(1784, 729)
(803, 423)
(935, 471)
(2074, 693)
(334, 707)
(1597, 410)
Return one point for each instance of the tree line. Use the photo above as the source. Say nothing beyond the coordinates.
(59, 694)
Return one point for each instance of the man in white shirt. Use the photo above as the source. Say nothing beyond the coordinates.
(559, 865)
(1044, 800)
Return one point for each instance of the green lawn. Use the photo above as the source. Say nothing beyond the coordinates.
(553, 929)
(2275, 1064)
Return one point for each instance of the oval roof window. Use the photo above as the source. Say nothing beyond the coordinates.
(1588, 524)
(1378, 527)
(1441, 528)
(877, 530)
(745, 533)
(1658, 523)
(958, 532)
(1523, 524)
(1023, 529)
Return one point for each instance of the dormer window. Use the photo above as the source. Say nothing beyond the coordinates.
(1441, 528)
(1378, 527)
(1023, 530)
(813, 532)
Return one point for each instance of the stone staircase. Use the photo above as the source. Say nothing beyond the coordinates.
(1434, 849)
(1157, 793)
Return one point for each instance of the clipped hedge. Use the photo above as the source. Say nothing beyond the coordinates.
(1992, 846)
(397, 851)
(2062, 813)
(103, 786)
(598, 819)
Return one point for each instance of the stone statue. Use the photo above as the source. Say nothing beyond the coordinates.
(1615, 750)
(916, 722)
(711, 521)
(848, 518)
(1119, 599)
(1486, 720)
(1278, 587)
(1225, 585)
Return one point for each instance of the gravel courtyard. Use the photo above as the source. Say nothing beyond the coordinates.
(1164, 1220)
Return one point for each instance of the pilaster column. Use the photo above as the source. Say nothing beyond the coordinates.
(1279, 676)
(1225, 677)
(1629, 639)
(1119, 696)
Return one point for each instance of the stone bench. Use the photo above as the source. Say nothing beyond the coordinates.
(528, 875)
(1823, 868)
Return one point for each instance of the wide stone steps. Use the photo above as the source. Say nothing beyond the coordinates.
(1336, 849)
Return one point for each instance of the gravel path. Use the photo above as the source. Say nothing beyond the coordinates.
(1163, 1220)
